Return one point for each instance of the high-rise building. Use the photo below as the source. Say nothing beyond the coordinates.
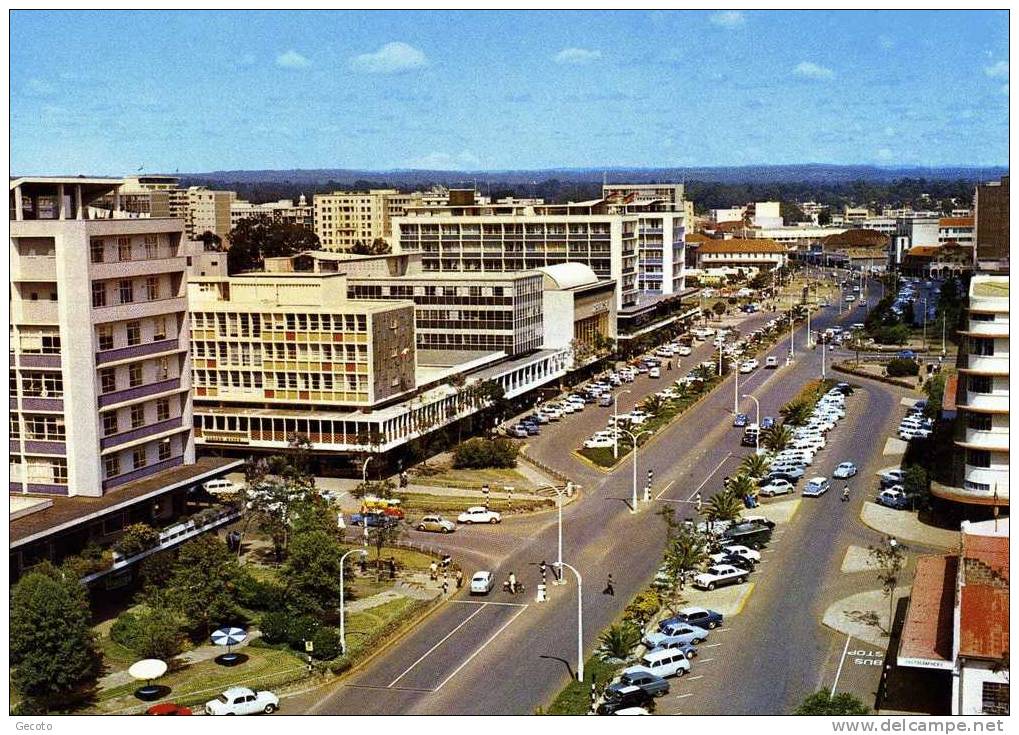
(991, 225)
(344, 218)
(284, 211)
(208, 211)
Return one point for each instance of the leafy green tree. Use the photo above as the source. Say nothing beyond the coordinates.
(135, 539)
(754, 465)
(916, 484)
(619, 640)
(823, 703)
(719, 309)
(796, 413)
(155, 632)
(212, 241)
(889, 559)
(742, 485)
(686, 552)
(777, 437)
(203, 585)
(253, 240)
(312, 572)
(654, 404)
(53, 651)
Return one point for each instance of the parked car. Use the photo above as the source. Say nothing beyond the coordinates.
(656, 686)
(482, 583)
(845, 469)
(684, 350)
(675, 634)
(221, 486)
(242, 701)
(518, 432)
(478, 514)
(776, 487)
(767, 422)
(700, 617)
(751, 535)
(732, 560)
(718, 576)
(437, 524)
(599, 442)
(605, 400)
(893, 497)
(663, 662)
(770, 363)
(816, 487)
(743, 552)
(790, 472)
(890, 477)
(624, 698)
(168, 708)
(655, 372)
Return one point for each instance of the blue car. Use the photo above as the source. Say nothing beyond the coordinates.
(740, 420)
(767, 422)
(907, 355)
(675, 635)
(373, 520)
(700, 617)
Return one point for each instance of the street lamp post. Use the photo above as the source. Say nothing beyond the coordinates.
(735, 395)
(634, 438)
(925, 323)
(757, 439)
(580, 618)
(343, 604)
(615, 423)
(792, 335)
(566, 490)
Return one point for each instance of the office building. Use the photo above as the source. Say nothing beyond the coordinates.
(991, 225)
(282, 211)
(209, 211)
(343, 219)
(911, 231)
(956, 229)
(763, 255)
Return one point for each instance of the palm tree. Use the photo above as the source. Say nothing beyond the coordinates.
(796, 413)
(754, 465)
(619, 640)
(742, 485)
(725, 506)
(654, 404)
(777, 437)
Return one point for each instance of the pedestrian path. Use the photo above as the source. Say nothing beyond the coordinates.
(907, 527)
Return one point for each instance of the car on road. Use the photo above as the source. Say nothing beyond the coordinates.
(767, 422)
(656, 686)
(684, 351)
(906, 355)
(655, 372)
(242, 701)
(844, 388)
(816, 487)
(663, 662)
(518, 432)
(168, 708)
(776, 487)
(373, 520)
(435, 524)
(770, 363)
(719, 576)
(482, 583)
(625, 697)
(478, 514)
(700, 617)
(605, 400)
(894, 498)
(845, 469)
(741, 420)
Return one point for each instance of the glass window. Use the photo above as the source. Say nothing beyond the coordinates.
(109, 423)
(108, 380)
(978, 458)
(126, 292)
(134, 375)
(162, 409)
(164, 450)
(134, 333)
(980, 383)
(138, 458)
(124, 248)
(152, 288)
(159, 328)
(995, 698)
(137, 416)
(97, 249)
(105, 334)
(111, 465)
(979, 421)
(98, 294)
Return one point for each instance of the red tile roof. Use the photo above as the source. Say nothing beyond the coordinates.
(983, 604)
(926, 639)
(763, 245)
(955, 222)
(948, 402)
(923, 251)
(698, 237)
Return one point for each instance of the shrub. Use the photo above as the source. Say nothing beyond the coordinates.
(643, 607)
(92, 559)
(300, 629)
(275, 627)
(150, 634)
(256, 594)
(327, 643)
(899, 367)
(136, 538)
(480, 453)
(892, 335)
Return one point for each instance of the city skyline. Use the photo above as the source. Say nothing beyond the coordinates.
(409, 90)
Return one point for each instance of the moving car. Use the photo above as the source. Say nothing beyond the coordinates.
(373, 520)
(740, 420)
(656, 686)
(242, 701)
(624, 698)
(845, 469)
(482, 583)
(684, 350)
(655, 372)
(816, 487)
(478, 514)
(437, 524)
(770, 363)
(718, 576)
(518, 432)
(700, 617)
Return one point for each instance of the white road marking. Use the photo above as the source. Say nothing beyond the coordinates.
(479, 650)
(712, 474)
(711, 645)
(479, 602)
(841, 662)
(704, 660)
(665, 489)
(683, 696)
(694, 678)
(444, 639)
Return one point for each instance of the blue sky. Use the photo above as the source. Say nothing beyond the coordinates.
(108, 92)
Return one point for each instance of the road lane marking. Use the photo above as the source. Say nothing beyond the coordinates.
(444, 639)
(684, 696)
(711, 645)
(694, 678)
(479, 602)
(712, 474)
(479, 650)
(841, 662)
(665, 489)
(705, 660)
(390, 688)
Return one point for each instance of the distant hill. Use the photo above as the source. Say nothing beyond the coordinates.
(801, 173)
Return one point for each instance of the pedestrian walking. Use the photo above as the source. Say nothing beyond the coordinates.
(433, 570)
(340, 523)
(459, 579)
(512, 583)
(446, 561)
(609, 588)
(392, 568)
(445, 587)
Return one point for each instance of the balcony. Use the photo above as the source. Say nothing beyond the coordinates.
(141, 391)
(987, 329)
(34, 268)
(136, 268)
(140, 433)
(985, 402)
(32, 403)
(127, 353)
(35, 312)
(139, 310)
(995, 441)
(56, 448)
(39, 361)
(987, 364)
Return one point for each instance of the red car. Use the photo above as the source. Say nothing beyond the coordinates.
(168, 708)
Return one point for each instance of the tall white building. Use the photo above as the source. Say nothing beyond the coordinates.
(661, 232)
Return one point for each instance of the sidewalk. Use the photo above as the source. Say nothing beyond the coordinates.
(863, 615)
(905, 526)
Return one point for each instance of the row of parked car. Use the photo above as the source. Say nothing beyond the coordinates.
(891, 491)
(789, 465)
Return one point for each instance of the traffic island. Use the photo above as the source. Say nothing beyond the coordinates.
(863, 615)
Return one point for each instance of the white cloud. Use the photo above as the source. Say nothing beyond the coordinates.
(810, 70)
(292, 60)
(997, 70)
(392, 58)
(574, 55)
(439, 160)
(729, 19)
(40, 88)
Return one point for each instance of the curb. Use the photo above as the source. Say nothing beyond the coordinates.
(838, 367)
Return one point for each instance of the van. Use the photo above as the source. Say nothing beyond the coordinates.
(750, 435)
(751, 535)
(665, 662)
(605, 400)
(221, 486)
(771, 363)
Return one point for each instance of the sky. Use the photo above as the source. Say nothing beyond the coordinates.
(109, 93)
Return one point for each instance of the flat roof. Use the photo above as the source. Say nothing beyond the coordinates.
(448, 276)
(91, 180)
(67, 512)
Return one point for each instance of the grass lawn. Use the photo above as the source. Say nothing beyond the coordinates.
(495, 478)
(418, 504)
(575, 698)
(366, 628)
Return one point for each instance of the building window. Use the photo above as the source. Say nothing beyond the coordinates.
(980, 383)
(59, 467)
(124, 248)
(164, 368)
(134, 333)
(134, 375)
(111, 466)
(995, 698)
(110, 423)
(162, 409)
(98, 294)
(159, 328)
(981, 346)
(97, 250)
(138, 458)
(979, 421)
(978, 458)
(108, 380)
(105, 333)
(126, 292)
(152, 288)
(151, 247)
(137, 416)
(164, 450)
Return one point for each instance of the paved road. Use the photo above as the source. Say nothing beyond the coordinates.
(512, 654)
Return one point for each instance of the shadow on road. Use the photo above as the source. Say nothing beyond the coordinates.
(563, 661)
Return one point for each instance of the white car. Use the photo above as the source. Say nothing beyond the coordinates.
(776, 487)
(599, 442)
(221, 486)
(909, 434)
(816, 487)
(655, 372)
(482, 583)
(242, 701)
(719, 575)
(846, 469)
(552, 412)
(478, 514)
(683, 351)
(744, 552)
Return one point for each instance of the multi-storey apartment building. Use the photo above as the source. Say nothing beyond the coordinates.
(981, 474)
(955, 229)
(284, 211)
(991, 225)
(208, 211)
(661, 232)
(344, 218)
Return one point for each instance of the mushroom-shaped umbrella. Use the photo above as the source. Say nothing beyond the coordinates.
(146, 670)
(228, 637)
